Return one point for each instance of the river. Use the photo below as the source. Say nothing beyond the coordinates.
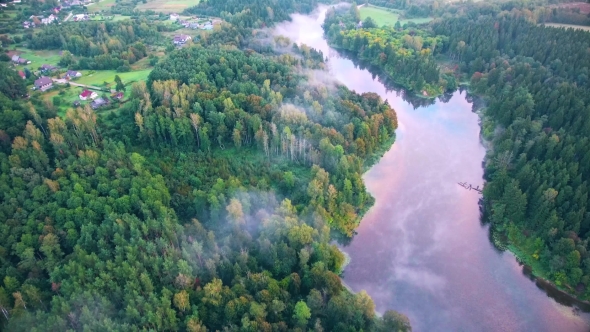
(421, 249)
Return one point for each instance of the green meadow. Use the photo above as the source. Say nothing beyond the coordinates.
(389, 17)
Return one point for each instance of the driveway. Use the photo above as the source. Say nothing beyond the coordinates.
(64, 81)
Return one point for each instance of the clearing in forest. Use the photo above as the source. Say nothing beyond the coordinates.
(37, 57)
(559, 25)
(100, 6)
(98, 77)
(384, 16)
(165, 6)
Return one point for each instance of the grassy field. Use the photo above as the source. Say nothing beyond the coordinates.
(67, 99)
(100, 76)
(559, 25)
(383, 16)
(102, 5)
(115, 18)
(39, 58)
(166, 6)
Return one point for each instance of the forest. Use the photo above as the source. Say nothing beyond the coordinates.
(208, 201)
(212, 198)
(404, 54)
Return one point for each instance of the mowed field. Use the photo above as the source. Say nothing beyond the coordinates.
(37, 58)
(559, 25)
(385, 17)
(102, 5)
(166, 6)
(100, 76)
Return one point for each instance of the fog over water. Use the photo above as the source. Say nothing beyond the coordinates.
(421, 249)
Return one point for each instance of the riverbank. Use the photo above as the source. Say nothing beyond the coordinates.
(428, 95)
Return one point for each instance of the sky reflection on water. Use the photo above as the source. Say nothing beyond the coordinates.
(421, 249)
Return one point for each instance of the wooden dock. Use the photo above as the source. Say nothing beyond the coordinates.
(470, 187)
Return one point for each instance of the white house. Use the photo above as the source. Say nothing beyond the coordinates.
(73, 73)
(49, 19)
(181, 39)
(174, 17)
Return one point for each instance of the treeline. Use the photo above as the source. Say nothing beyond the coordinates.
(535, 82)
(206, 203)
(411, 9)
(98, 45)
(254, 14)
(405, 55)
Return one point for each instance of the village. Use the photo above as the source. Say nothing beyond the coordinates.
(63, 86)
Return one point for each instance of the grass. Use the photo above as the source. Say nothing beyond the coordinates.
(102, 5)
(166, 6)
(387, 17)
(559, 25)
(101, 76)
(38, 58)
(181, 31)
(70, 95)
(115, 18)
(68, 98)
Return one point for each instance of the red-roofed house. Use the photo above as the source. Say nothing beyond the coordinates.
(88, 94)
(22, 74)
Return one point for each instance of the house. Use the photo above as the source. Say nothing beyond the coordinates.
(208, 26)
(99, 103)
(181, 39)
(72, 73)
(359, 25)
(194, 25)
(117, 96)
(47, 68)
(23, 61)
(80, 17)
(88, 94)
(49, 19)
(26, 24)
(174, 17)
(15, 58)
(22, 74)
(16, 1)
(44, 83)
(75, 3)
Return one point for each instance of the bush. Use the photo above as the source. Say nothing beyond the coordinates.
(57, 100)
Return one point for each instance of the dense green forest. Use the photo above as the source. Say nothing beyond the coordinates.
(406, 55)
(207, 202)
(255, 14)
(211, 198)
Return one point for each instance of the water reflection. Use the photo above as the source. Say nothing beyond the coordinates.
(421, 249)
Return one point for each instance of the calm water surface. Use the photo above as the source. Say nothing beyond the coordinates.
(421, 249)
